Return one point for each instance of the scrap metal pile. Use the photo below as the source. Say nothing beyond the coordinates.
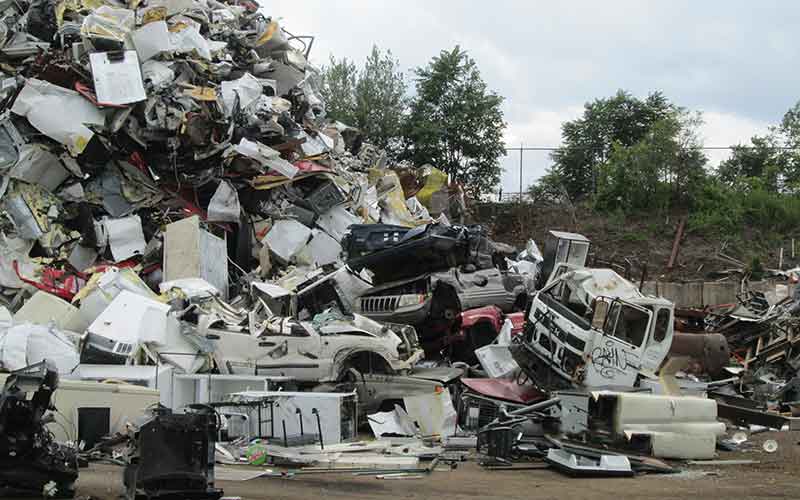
(763, 335)
(170, 182)
(765, 339)
(175, 202)
(603, 380)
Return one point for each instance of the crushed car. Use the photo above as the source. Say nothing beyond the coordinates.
(318, 351)
(435, 300)
(428, 275)
(479, 327)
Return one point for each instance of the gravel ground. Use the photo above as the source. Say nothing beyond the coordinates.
(775, 477)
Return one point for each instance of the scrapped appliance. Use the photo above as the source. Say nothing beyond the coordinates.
(593, 328)
(680, 427)
(561, 247)
(172, 456)
(31, 463)
(288, 418)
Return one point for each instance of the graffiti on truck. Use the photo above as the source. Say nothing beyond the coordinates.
(609, 360)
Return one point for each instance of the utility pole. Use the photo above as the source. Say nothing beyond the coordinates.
(520, 173)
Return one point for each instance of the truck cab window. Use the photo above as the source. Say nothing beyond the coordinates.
(662, 324)
(627, 323)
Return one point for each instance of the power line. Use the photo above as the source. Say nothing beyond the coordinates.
(522, 148)
(709, 148)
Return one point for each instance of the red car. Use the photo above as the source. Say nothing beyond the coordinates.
(476, 328)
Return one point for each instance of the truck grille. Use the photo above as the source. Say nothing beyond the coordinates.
(379, 304)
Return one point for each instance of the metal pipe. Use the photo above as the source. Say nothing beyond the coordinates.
(541, 405)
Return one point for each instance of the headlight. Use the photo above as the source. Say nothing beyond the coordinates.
(410, 300)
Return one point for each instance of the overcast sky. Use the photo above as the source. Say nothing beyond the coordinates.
(735, 61)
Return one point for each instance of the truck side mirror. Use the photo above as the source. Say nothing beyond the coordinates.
(600, 314)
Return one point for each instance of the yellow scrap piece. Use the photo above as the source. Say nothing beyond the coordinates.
(391, 198)
(201, 93)
(76, 6)
(57, 236)
(38, 201)
(154, 14)
(78, 145)
(268, 34)
(433, 183)
(179, 26)
(133, 282)
(264, 182)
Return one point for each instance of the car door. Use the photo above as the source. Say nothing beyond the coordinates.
(295, 352)
(657, 346)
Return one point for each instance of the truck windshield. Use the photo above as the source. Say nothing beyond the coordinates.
(627, 323)
(563, 298)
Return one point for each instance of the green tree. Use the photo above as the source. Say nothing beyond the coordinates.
(338, 88)
(548, 189)
(771, 161)
(371, 99)
(763, 160)
(787, 150)
(455, 123)
(380, 99)
(619, 121)
(664, 168)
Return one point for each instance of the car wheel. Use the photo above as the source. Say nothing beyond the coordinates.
(365, 362)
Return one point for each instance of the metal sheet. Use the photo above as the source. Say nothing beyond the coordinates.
(505, 389)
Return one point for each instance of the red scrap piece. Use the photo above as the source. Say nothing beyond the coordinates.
(505, 389)
(89, 94)
(310, 167)
(137, 161)
(54, 281)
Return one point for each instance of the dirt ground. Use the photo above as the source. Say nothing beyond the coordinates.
(775, 477)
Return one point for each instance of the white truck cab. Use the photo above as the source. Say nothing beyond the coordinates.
(593, 328)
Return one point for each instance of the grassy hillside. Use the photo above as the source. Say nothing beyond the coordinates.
(633, 241)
